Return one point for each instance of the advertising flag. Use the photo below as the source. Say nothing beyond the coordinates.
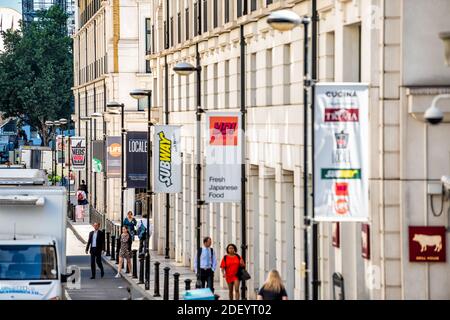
(223, 157)
(98, 156)
(137, 151)
(341, 154)
(78, 153)
(113, 156)
(167, 172)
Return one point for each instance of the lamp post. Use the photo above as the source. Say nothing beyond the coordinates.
(285, 20)
(98, 115)
(51, 125)
(88, 128)
(116, 106)
(140, 94)
(185, 69)
(62, 123)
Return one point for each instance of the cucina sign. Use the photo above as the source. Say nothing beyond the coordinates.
(341, 94)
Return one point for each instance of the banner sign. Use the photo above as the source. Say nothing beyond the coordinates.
(78, 153)
(113, 158)
(341, 154)
(223, 157)
(427, 244)
(98, 156)
(167, 159)
(137, 151)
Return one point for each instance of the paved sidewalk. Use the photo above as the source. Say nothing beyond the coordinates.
(82, 230)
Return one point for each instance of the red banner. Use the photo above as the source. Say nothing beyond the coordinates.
(427, 244)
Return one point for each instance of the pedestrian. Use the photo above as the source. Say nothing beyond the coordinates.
(83, 186)
(273, 288)
(125, 250)
(230, 265)
(96, 244)
(208, 264)
(142, 232)
(81, 197)
(130, 222)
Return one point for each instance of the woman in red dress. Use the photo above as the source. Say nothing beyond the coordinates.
(230, 266)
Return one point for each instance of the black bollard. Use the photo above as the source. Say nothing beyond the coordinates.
(104, 240)
(134, 264)
(108, 244)
(147, 271)
(113, 247)
(166, 283)
(118, 250)
(141, 269)
(176, 286)
(157, 294)
(188, 284)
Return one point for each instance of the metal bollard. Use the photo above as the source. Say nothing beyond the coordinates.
(147, 271)
(157, 294)
(141, 269)
(166, 283)
(104, 239)
(134, 264)
(117, 250)
(113, 247)
(108, 244)
(187, 284)
(176, 286)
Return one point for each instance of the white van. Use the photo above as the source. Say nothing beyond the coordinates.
(32, 236)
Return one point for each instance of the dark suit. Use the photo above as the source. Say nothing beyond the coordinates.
(96, 250)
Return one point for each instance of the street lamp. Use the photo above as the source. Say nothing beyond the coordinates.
(115, 107)
(141, 94)
(52, 126)
(285, 20)
(185, 69)
(88, 128)
(62, 123)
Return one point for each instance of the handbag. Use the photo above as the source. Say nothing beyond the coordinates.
(243, 274)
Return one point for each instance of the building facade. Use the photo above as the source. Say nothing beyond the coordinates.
(379, 42)
(31, 7)
(109, 62)
(9, 19)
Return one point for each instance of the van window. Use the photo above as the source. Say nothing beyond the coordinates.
(28, 262)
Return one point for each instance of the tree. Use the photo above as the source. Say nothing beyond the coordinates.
(36, 71)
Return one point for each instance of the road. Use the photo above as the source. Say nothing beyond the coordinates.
(107, 288)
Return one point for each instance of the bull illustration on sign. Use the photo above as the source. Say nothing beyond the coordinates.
(426, 241)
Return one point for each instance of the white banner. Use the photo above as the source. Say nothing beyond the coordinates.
(78, 153)
(223, 157)
(341, 152)
(167, 174)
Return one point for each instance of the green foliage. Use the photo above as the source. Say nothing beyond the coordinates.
(36, 71)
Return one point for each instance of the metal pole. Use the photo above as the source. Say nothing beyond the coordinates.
(69, 156)
(108, 244)
(305, 154)
(198, 160)
(122, 171)
(113, 247)
(176, 286)
(315, 230)
(166, 112)
(157, 294)
(134, 263)
(149, 188)
(243, 171)
(166, 283)
(88, 128)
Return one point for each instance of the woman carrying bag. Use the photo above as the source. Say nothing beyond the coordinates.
(233, 270)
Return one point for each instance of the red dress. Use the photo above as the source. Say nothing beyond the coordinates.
(231, 266)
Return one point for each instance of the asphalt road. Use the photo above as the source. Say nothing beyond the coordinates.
(107, 288)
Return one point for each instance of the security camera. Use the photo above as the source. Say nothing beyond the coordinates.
(433, 115)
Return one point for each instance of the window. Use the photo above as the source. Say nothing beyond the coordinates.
(179, 27)
(171, 31)
(186, 21)
(148, 42)
(205, 15)
(352, 53)
(196, 19)
(216, 14)
(253, 5)
(239, 8)
(227, 11)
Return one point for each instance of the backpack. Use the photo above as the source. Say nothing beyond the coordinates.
(80, 195)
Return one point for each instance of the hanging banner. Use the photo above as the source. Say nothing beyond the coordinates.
(78, 153)
(167, 175)
(341, 154)
(136, 175)
(223, 157)
(114, 156)
(62, 157)
(98, 156)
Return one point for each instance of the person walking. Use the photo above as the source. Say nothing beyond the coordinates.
(83, 186)
(130, 222)
(208, 264)
(142, 233)
(230, 265)
(96, 245)
(273, 288)
(125, 250)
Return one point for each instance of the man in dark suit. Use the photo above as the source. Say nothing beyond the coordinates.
(97, 244)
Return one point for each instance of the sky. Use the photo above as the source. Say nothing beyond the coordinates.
(14, 4)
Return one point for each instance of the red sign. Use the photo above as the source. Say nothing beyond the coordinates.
(341, 189)
(223, 131)
(341, 115)
(335, 235)
(427, 244)
(365, 241)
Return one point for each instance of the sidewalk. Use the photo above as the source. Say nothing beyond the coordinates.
(81, 231)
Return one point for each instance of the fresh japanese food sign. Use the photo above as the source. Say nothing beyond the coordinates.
(167, 159)
(341, 154)
(223, 157)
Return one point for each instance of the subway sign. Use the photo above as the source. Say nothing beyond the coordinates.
(333, 174)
